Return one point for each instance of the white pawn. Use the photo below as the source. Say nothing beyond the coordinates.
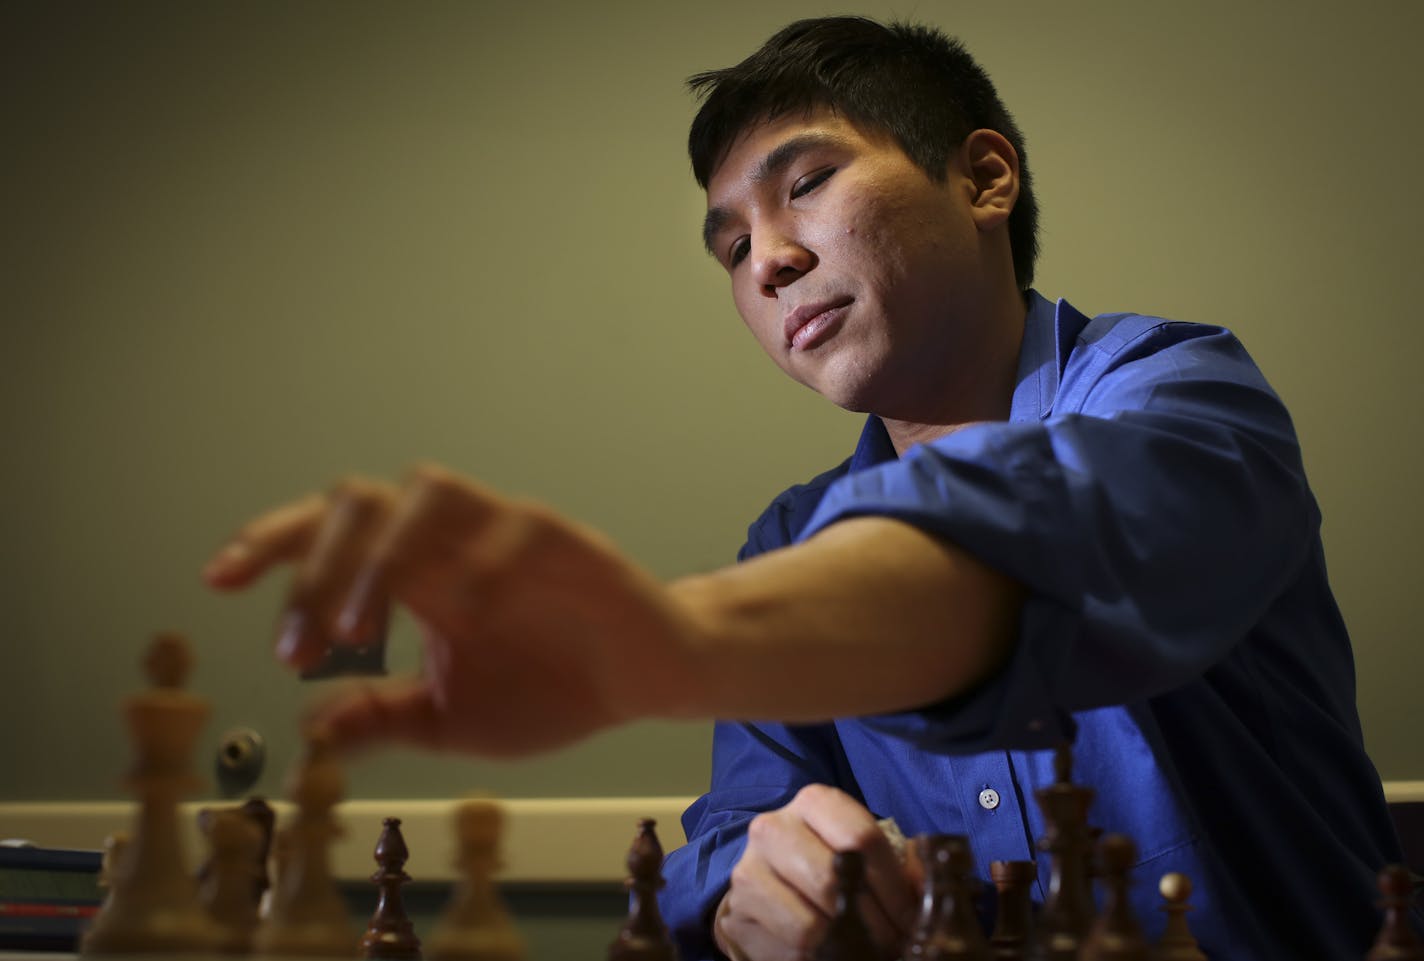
(1177, 943)
(476, 926)
(307, 916)
(153, 907)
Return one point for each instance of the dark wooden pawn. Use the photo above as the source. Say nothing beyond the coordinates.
(1068, 907)
(1397, 940)
(948, 928)
(1116, 935)
(1012, 939)
(847, 937)
(1177, 943)
(644, 936)
(390, 933)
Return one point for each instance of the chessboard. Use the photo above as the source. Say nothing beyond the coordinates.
(263, 880)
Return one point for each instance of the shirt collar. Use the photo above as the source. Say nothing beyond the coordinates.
(1050, 330)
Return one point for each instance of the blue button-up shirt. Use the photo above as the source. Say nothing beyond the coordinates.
(1148, 492)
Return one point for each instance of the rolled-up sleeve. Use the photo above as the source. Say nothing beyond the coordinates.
(1153, 515)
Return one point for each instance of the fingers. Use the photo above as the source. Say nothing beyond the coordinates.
(783, 889)
(427, 554)
(843, 824)
(356, 514)
(279, 535)
(363, 714)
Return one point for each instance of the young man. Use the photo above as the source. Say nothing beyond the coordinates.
(1053, 525)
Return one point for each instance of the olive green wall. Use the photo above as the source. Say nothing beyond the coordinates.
(249, 247)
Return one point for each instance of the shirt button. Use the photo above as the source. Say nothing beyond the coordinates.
(988, 799)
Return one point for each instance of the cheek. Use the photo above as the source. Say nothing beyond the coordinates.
(759, 314)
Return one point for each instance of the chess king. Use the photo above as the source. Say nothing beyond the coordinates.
(1053, 525)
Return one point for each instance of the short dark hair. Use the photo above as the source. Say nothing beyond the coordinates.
(912, 82)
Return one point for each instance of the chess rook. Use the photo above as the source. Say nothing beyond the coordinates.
(1116, 935)
(1012, 939)
(947, 928)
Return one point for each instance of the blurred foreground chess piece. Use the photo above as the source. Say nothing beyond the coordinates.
(1397, 940)
(1116, 934)
(948, 927)
(1177, 943)
(308, 916)
(847, 938)
(1012, 939)
(390, 933)
(228, 884)
(1068, 907)
(476, 926)
(644, 937)
(153, 905)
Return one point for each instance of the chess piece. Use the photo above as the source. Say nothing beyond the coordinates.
(1177, 942)
(1116, 935)
(115, 845)
(308, 916)
(847, 938)
(947, 928)
(476, 925)
(390, 933)
(1397, 940)
(261, 815)
(1013, 927)
(1068, 908)
(153, 906)
(644, 937)
(228, 884)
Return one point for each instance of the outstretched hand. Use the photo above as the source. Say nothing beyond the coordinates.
(537, 631)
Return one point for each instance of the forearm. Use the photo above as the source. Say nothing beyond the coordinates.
(870, 615)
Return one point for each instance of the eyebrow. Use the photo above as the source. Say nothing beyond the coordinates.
(772, 165)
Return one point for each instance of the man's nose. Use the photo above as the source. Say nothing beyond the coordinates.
(778, 260)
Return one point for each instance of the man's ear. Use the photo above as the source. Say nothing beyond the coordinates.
(992, 165)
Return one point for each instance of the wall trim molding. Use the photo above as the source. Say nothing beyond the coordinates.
(546, 840)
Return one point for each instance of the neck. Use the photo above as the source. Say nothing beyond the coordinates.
(974, 391)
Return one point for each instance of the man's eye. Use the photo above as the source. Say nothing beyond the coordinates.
(739, 251)
(810, 182)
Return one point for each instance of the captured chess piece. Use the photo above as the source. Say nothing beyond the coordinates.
(153, 905)
(1177, 942)
(1397, 940)
(643, 936)
(1013, 925)
(476, 925)
(308, 916)
(1116, 934)
(228, 883)
(390, 933)
(947, 928)
(115, 845)
(1068, 907)
(847, 937)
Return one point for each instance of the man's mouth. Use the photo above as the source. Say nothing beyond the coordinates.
(810, 324)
